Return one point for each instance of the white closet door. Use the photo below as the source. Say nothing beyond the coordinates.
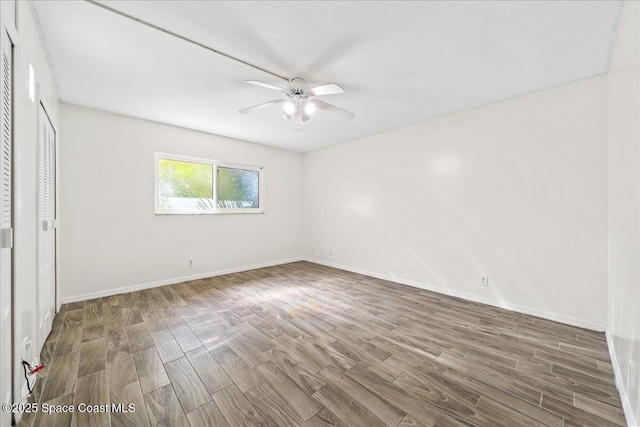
(6, 231)
(46, 221)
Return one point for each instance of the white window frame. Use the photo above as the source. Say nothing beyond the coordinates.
(214, 164)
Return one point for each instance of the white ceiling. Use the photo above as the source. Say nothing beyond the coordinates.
(399, 62)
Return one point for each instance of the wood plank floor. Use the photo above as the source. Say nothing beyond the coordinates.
(307, 345)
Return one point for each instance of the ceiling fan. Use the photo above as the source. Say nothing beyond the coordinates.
(300, 102)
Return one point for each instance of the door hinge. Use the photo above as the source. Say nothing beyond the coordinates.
(6, 238)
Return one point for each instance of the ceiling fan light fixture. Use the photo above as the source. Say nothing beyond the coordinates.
(309, 108)
(299, 101)
(289, 108)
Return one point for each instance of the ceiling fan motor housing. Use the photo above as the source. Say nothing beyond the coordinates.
(297, 86)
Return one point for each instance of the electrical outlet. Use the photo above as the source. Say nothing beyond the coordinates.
(313, 250)
(190, 263)
(484, 280)
(331, 253)
(633, 381)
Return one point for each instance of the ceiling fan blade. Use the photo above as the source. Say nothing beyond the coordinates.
(262, 84)
(329, 89)
(347, 115)
(263, 105)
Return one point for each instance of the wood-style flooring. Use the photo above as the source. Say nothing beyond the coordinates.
(307, 345)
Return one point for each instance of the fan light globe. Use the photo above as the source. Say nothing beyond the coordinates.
(289, 108)
(309, 108)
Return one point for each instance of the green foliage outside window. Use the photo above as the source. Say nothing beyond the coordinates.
(185, 185)
(238, 188)
(178, 179)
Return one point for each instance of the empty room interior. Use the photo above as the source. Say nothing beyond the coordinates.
(320, 213)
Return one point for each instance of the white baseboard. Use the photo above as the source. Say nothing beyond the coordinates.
(624, 396)
(139, 287)
(470, 297)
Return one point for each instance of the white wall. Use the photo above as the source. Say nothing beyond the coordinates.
(515, 190)
(624, 210)
(109, 236)
(28, 50)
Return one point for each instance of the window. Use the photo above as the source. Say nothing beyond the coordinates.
(188, 185)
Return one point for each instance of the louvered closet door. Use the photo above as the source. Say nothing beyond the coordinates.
(46, 221)
(6, 240)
